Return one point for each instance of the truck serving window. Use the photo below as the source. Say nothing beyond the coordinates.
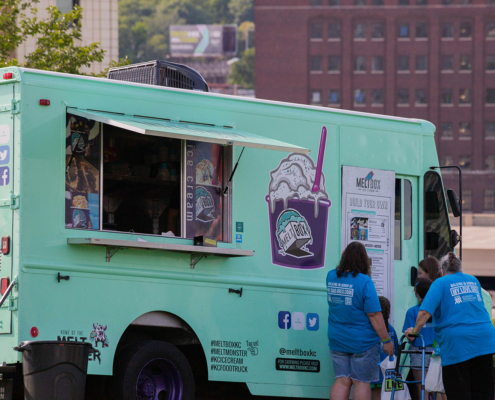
(146, 184)
(436, 223)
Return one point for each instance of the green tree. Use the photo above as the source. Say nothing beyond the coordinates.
(12, 35)
(243, 70)
(242, 10)
(55, 47)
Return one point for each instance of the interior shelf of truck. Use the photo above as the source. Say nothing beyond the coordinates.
(197, 252)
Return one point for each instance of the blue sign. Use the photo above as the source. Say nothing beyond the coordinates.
(284, 320)
(238, 238)
(4, 176)
(312, 322)
(4, 155)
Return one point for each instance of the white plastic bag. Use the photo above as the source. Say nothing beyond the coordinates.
(388, 370)
(433, 380)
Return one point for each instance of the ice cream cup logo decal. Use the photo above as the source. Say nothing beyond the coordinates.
(205, 206)
(370, 175)
(298, 207)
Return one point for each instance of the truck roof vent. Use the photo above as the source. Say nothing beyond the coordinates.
(162, 73)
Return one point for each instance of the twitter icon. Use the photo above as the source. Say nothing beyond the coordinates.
(312, 322)
(4, 155)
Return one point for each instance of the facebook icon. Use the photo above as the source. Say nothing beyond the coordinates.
(284, 320)
(4, 176)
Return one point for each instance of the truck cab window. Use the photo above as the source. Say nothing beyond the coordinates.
(398, 219)
(407, 209)
(436, 223)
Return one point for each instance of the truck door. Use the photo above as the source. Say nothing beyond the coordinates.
(6, 186)
(406, 245)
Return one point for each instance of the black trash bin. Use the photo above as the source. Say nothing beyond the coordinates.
(54, 370)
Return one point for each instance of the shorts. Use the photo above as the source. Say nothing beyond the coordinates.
(416, 358)
(359, 367)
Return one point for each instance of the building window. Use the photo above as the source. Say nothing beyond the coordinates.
(333, 2)
(465, 63)
(490, 130)
(360, 31)
(420, 95)
(377, 64)
(465, 30)
(360, 96)
(490, 63)
(403, 2)
(66, 6)
(465, 130)
(446, 130)
(315, 97)
(359, 2)
(490, 163)
(447, 161)
(333, 63)
(377, 2)
(447, 96)
(421, 30)
(447, 2)
(403, 63)
(490, 96)
(377, 31)
(377, 97)
(465, 162)
(467, 200)
(421, 2)
(316, 3)
(447, 63)
(403, 31)
(360, 63)
(490, 30)
(316, 31)
(447, 31)
(334, 97)
(334, 31)
(465, 2)
(315, 64)
(489, 200)
(464, 96)
(421, 63)
(403, 96)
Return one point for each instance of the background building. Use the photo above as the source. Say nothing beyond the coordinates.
(100, 24)
(428, 59)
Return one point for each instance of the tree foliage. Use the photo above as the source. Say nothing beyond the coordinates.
(56, 38)
(243, 70)
(144, 24)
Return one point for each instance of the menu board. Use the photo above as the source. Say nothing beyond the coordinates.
(82, 178)
(368, 206)
(204, 198)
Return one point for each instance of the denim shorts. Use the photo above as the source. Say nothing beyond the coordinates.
(416, 357)
(359, 367)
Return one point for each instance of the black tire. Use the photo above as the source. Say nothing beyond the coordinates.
(152, 370)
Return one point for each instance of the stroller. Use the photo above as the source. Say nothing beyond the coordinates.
(394, 377)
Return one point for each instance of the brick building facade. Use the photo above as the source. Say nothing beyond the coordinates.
(428, 59)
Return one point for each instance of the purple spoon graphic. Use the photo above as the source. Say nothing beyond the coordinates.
(321, 155)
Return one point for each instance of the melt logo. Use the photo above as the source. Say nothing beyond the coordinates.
(298, 321)
(312, 322)
(284, 320)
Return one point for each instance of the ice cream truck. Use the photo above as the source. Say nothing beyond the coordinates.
(187, 235)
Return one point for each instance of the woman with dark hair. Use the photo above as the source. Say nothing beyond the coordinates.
(355, 325)
(429, 268)
(463, 330)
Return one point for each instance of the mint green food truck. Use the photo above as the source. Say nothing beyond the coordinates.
(124, 225)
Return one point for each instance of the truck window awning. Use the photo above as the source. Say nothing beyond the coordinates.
(188, 131)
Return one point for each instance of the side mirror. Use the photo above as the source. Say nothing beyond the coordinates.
(454, 238)
(454, 202)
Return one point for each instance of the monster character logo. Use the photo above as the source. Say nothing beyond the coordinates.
(99, 335)
(293, 233)
(205, 207)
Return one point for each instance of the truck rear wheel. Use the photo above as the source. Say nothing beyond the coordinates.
(153, 370)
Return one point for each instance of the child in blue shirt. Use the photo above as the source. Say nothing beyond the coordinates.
(376, 387)
(420, 290)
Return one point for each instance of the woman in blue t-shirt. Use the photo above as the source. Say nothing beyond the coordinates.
(420, 290)
(463, 330)
(355, 325)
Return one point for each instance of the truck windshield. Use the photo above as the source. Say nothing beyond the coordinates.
(436, 222)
